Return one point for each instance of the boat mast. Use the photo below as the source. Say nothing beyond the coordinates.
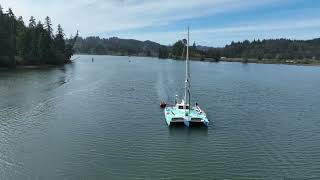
(187, 82)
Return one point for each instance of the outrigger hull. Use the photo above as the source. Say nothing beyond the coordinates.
(174, 115)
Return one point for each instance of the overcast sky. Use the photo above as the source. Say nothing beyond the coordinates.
(212, 22)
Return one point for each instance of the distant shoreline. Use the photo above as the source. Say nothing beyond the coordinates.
(239, 60)
(298, 62)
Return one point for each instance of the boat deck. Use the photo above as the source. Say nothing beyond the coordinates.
(175, 115)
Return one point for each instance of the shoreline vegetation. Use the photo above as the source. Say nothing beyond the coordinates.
(305, 62)
(32, 45)
(240, 60)
(273, 51)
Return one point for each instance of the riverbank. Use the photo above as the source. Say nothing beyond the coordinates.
(28, 67)
(20, 63)
(21, 67)
(304, 62)
(298, 62)
(301, 62)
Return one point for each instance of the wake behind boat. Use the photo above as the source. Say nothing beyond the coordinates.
(183, 112)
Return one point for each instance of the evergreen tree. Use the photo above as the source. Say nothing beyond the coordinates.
(20, 20)
(69, 46)
(177, 49)
(11, 37)
(59, 40)
(20, 24)
(60, 44)
(10, 13)
(21, 30)
(163, 52)
(36, 33)
(34, 44)
(48, 26)
(3, 36)
(32, 22)
(44, 48)
(40, 27)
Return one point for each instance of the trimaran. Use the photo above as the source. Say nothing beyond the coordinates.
(183, 112)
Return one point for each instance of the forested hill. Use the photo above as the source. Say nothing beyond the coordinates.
(116, 46)
(34, 43)
(275, 50)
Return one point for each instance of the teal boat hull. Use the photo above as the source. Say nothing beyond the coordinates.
(174, 115)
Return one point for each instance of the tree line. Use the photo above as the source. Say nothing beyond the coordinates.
(33, 44)
(275, 50)
(131, 47)
(116, 46)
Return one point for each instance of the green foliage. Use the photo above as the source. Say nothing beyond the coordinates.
(32, 22)
(214, 54)
(69, 50)
(45, 50)
(10, 13)
(201, 53)
(48, 26)
(8, 29)
(178, 49)
(60, 44)
(116, 46)
(34, 44)
(274, 49)
(163, 52)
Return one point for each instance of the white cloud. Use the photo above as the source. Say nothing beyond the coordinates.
(288, 28)
(96, 16)
(125, 18)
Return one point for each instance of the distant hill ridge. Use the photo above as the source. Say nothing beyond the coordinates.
(116, 46)
(275, 49)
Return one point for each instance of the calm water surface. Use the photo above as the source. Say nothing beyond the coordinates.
(102, 120)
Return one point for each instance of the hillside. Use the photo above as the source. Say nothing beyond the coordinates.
(116, 46)
(274, 49)
(268, 51)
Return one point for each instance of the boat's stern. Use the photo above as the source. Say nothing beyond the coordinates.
(199, 121)
(173, 116)
(178, 116)
(168, 114)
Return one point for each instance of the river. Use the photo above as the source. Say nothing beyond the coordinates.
(101, 120)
